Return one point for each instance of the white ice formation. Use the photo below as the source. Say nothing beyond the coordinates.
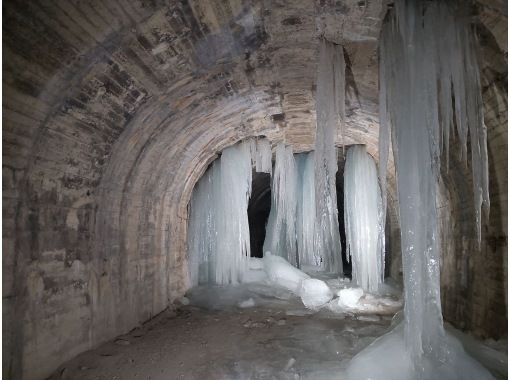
(306, 215)
(427, 57)
(292, 230)
(281, 273)
(364, 226)
(281, 225)
(330, 108)
(218, 232)
(315, 293)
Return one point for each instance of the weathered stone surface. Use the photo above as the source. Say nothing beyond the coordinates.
(113, 109)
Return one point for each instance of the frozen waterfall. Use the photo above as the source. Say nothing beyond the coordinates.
(218, 232)
(364, 226)
(427, 57)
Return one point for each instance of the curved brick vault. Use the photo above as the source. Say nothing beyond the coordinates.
(112, 110)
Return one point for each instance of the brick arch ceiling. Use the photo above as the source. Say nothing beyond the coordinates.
(112, 110)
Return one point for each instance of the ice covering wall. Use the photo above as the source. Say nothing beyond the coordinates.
(363, 214)
(427, 57)
(330, 107)
(281, 225)
(218, 232)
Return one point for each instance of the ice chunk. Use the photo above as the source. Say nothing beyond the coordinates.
(246, 303)
(363, 214)
(349, 297)
(315, 293)
(280, 272)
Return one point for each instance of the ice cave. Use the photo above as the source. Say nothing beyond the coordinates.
(213, 189)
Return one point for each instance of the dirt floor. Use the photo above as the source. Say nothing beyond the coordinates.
(254, 343)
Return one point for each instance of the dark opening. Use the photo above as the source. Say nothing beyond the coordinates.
(258, 211)
(341, 224)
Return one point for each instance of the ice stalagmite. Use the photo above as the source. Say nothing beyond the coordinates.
(330, 108)
(281, 226)
(427, 57)
(364, 226)
(218, 232)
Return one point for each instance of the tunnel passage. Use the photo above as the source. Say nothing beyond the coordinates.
(341, 222)
(109, 121)
(258, 211)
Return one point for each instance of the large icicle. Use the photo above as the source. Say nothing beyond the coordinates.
(427, 57)
(281, 226)
(330, 104)
(218, 233)
(263, 156)
(364, 226)
(306, 215)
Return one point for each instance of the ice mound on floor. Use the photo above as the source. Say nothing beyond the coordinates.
(255, 271)
(388, 359)
(349, 297)
(315, 293)
(280, 272)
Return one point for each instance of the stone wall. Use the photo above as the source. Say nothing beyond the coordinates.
(112, 110)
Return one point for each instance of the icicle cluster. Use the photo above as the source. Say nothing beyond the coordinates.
(364, 226)
(306, 215)
(427, 57)
(281, 226)
(218, 232)
(263, 156)
(292, 229)
(330, 107)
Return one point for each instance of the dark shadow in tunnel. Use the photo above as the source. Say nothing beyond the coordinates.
(341, 223)
(258, 211)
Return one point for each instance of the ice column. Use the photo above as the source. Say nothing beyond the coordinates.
(306, 215)
(427, 57)
(364, 226)
(218, 232)
(281, 226)
(330, 105)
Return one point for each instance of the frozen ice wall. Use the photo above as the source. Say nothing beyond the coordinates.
(427, 57)
(218, 232)
(330, 108)
(364, 226)
(281, 226)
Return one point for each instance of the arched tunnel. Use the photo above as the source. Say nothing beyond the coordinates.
(113, 110)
